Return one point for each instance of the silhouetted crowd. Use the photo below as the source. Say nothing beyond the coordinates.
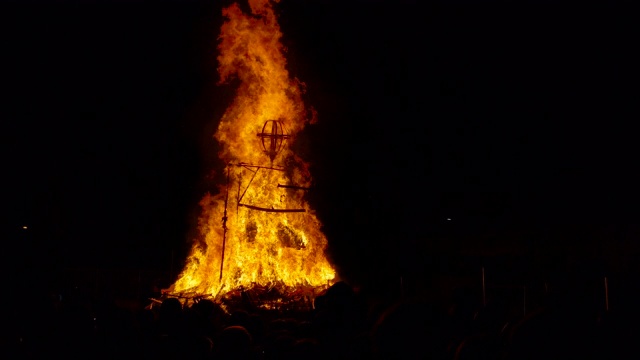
(344, 324)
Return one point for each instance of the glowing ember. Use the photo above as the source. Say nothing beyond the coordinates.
(259, 230)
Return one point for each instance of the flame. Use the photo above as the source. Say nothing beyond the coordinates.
(268, 233)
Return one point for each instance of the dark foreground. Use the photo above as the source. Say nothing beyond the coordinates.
(344, 323)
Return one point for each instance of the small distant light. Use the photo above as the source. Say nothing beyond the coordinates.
(448, 219)
(25, 227)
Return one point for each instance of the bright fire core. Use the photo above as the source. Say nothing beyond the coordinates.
(272, 237)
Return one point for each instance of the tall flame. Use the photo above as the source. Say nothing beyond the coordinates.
(259, 229)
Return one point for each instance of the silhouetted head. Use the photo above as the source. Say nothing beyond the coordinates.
(234, 342)
(240, 318)
(196, 347)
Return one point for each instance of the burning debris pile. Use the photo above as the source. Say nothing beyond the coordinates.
(258, 232)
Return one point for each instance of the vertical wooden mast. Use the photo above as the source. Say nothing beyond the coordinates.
(224, 224)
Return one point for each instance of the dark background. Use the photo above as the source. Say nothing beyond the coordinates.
(515, 120)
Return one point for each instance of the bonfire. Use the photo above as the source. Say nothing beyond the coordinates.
(258, 233)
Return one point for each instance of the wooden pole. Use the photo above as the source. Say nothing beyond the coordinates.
(224, 225)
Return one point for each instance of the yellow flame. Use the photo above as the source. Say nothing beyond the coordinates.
(265, 243)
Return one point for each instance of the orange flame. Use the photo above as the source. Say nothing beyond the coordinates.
(272, 237)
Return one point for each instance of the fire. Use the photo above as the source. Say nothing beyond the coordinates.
(259, 229)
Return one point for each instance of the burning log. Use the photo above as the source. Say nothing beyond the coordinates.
(272, 209)
(293, 187)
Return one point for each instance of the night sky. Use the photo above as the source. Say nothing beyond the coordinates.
(515, 122)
